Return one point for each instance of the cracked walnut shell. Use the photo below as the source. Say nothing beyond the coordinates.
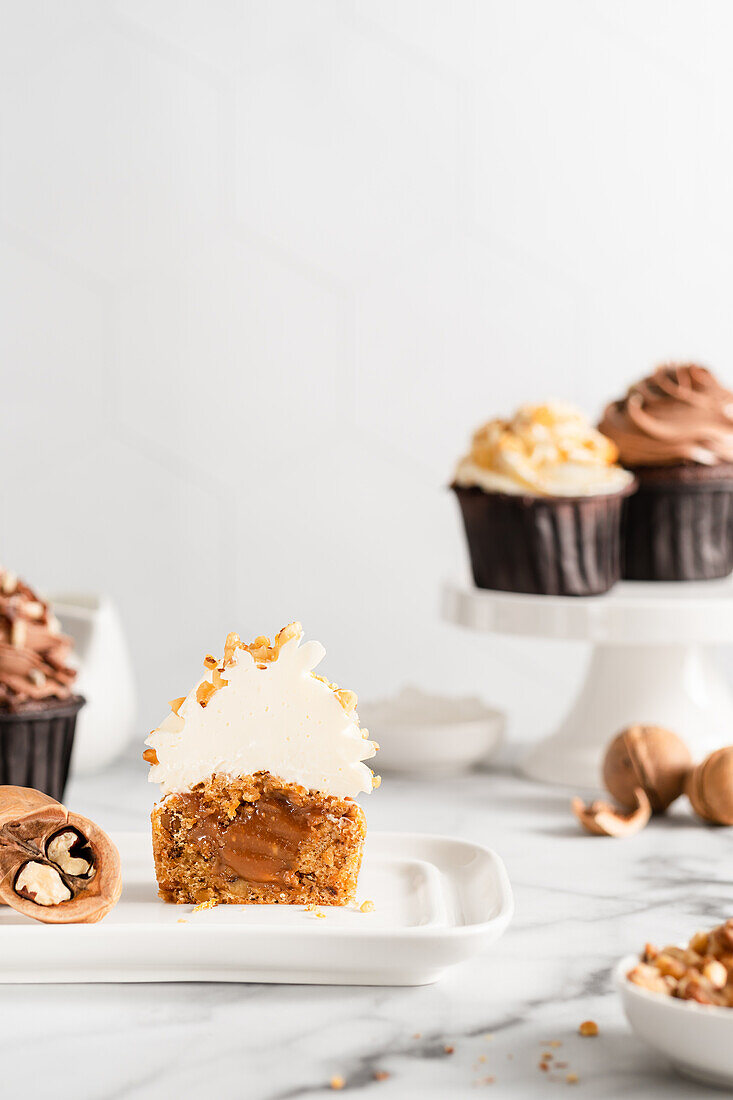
(55, 866)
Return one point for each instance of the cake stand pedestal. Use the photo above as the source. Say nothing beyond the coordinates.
(649, 664)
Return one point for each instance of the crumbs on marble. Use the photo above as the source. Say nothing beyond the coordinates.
(588, 1029)
(181, 920)
(417, 1035)
(449, 1049)
(337, 1082)
(547, 1061)
(381, 1075)
(367, 906)
(210, 904)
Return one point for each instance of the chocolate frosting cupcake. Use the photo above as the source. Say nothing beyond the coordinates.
(34, 653)
(674, 430)
(679, 414)
(37, 706)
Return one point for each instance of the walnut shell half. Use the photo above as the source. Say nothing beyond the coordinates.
(602, 819)
(649, 757)
(55, 866)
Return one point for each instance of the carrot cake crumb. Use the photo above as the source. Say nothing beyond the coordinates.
(366, 906)
(572, 1078)
(588, 1028)
(337, 1082)
(210, 904)
(449, 1049)
(381, 1075)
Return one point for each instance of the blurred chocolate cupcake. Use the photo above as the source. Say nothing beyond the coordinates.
(37, 707)
(674, 430)
(541, 499)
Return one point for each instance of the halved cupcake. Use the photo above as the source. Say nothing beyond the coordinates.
(259, 769)
(541, 498)
(674, 429)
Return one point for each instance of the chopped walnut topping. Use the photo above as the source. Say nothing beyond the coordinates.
(150, 756)
(347, 699)
(376, 781)
(230, 646)
(176, 704)
(217, 679)
(702, 971)
(204, 692)
(210, 661)
(292, 630)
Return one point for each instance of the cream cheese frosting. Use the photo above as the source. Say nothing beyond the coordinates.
(262, 708)
(544, 450)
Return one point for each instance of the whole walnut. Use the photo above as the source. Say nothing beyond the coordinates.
(709, 787)
(649, 757)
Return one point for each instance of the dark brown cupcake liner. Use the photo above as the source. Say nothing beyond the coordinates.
(679, 532)
(567, 546)
(35, 746)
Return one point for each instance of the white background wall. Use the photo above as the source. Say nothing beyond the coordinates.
(264, 265)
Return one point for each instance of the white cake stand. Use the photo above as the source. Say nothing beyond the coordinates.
(649, 664)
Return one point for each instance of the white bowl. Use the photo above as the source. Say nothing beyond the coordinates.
(698, 1039)
(428, 735)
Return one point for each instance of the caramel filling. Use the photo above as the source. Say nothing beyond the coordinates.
(260, 844)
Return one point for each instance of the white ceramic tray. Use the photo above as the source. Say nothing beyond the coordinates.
(437, 901)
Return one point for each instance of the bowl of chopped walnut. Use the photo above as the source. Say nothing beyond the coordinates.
(679, 999)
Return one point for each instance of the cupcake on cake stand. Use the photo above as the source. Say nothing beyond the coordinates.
(650, 663)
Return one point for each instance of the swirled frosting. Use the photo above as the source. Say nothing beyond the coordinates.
(33, 652)
(677, 414)
(545, 450)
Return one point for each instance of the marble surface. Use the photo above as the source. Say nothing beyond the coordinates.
(581, 902)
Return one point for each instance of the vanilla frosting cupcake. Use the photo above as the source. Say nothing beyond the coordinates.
(541, 497)
(674, 429)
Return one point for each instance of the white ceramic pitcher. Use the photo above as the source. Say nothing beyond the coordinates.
(106, 724)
